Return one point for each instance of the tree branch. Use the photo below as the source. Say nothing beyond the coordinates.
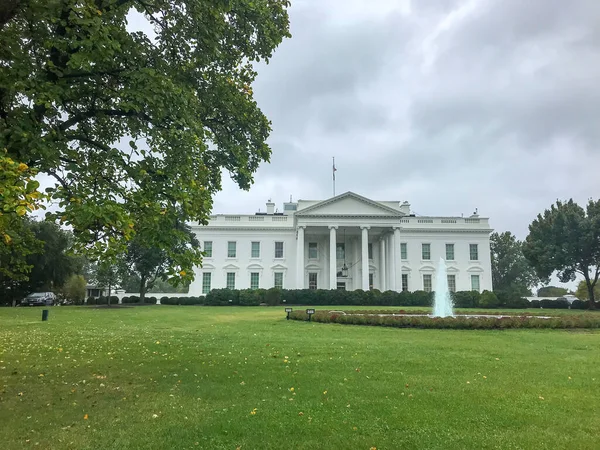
(101, 112)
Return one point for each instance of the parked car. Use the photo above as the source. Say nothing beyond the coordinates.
(39, 299)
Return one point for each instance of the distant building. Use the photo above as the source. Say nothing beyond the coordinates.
(345, 242)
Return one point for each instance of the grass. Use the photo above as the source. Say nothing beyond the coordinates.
(161, 377)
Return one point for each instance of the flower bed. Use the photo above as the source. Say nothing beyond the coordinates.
(412, 319)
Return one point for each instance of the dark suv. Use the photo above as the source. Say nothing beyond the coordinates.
(39, 299)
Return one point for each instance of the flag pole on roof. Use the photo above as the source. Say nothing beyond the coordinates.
(334, 170)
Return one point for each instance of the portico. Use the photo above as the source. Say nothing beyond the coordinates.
(360, 239)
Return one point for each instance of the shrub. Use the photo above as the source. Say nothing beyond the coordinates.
(150, 300)
(221, 297)
(91, 300)
(102, 300)
(535, 304)
(580, 304)
(466, 299)
(459, 322)
(114, 300)
(273, 296)
(554, 304)
(488, 300)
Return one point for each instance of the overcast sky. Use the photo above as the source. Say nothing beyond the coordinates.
(451, 105)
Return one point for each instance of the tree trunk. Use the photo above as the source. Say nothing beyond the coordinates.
(590, 287)
(142, 289)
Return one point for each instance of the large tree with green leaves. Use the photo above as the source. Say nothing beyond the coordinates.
(511, 272)
(566, 239)
(150, 259)
(130, 123)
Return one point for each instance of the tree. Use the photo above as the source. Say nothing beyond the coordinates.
(74, 288)
(552, 291)
(566, 239)
(150, 260)
(75, 83)
(109, 275)
(47, 257)
(582, 291)
(511, 272)
(18, 191)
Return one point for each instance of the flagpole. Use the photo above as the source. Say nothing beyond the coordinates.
(334, 169)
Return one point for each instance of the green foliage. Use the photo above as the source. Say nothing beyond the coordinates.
(566, 239)
(273, 297)
(155, 252)
(74, 289)
(582, 292)
(552, 291)
(466, 299)
(75, 83)
(488, 300)
(459, 322)
(511, 272)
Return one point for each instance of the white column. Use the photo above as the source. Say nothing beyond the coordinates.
(392, 280)
(300, 258)
(332, 258)
(398, 266)
(365, 257)
(382, 265)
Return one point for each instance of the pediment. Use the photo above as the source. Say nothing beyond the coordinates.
(254, 266)
(452, 270)
(349, 204)
(475, 269)
(278, 267)
(427, 269)
(231, 267)
(208, 266)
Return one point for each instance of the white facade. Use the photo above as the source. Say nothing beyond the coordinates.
(312, 243)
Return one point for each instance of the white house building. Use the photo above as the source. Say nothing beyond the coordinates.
(345, 242)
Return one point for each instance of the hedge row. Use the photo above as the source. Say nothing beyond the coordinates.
(104, 300)
(458, 322)
(463, 299)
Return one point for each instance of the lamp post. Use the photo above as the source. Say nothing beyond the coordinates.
(288, 311)
(310, 312)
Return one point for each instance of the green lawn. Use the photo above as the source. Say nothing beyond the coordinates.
(162, 377)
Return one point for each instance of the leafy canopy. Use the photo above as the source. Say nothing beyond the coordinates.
(511, 272)
(133, 124)
(566, 239)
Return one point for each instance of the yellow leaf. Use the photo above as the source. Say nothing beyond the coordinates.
(85, 417)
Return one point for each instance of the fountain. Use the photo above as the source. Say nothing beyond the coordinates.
(442, 304)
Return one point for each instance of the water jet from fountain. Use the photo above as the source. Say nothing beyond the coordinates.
(442, 304)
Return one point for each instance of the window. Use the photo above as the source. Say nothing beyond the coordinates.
(254, 277)
(341, 285)
(370, 281)
(208, 249)
(449, 252)
(427, 282)
(231, 249)
(403, 251)
(475, 283)
(278, 280)
(474, 252)
(340, 250)
(312, 280)
(230, 280)
(313, 250)
(278, 249)
(255, 251)
(426, 251)
(370, 250)
(452, 283)
(206, 276)
(404, 282)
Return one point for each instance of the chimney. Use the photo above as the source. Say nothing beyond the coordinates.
(270, 207)
(405, 208)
